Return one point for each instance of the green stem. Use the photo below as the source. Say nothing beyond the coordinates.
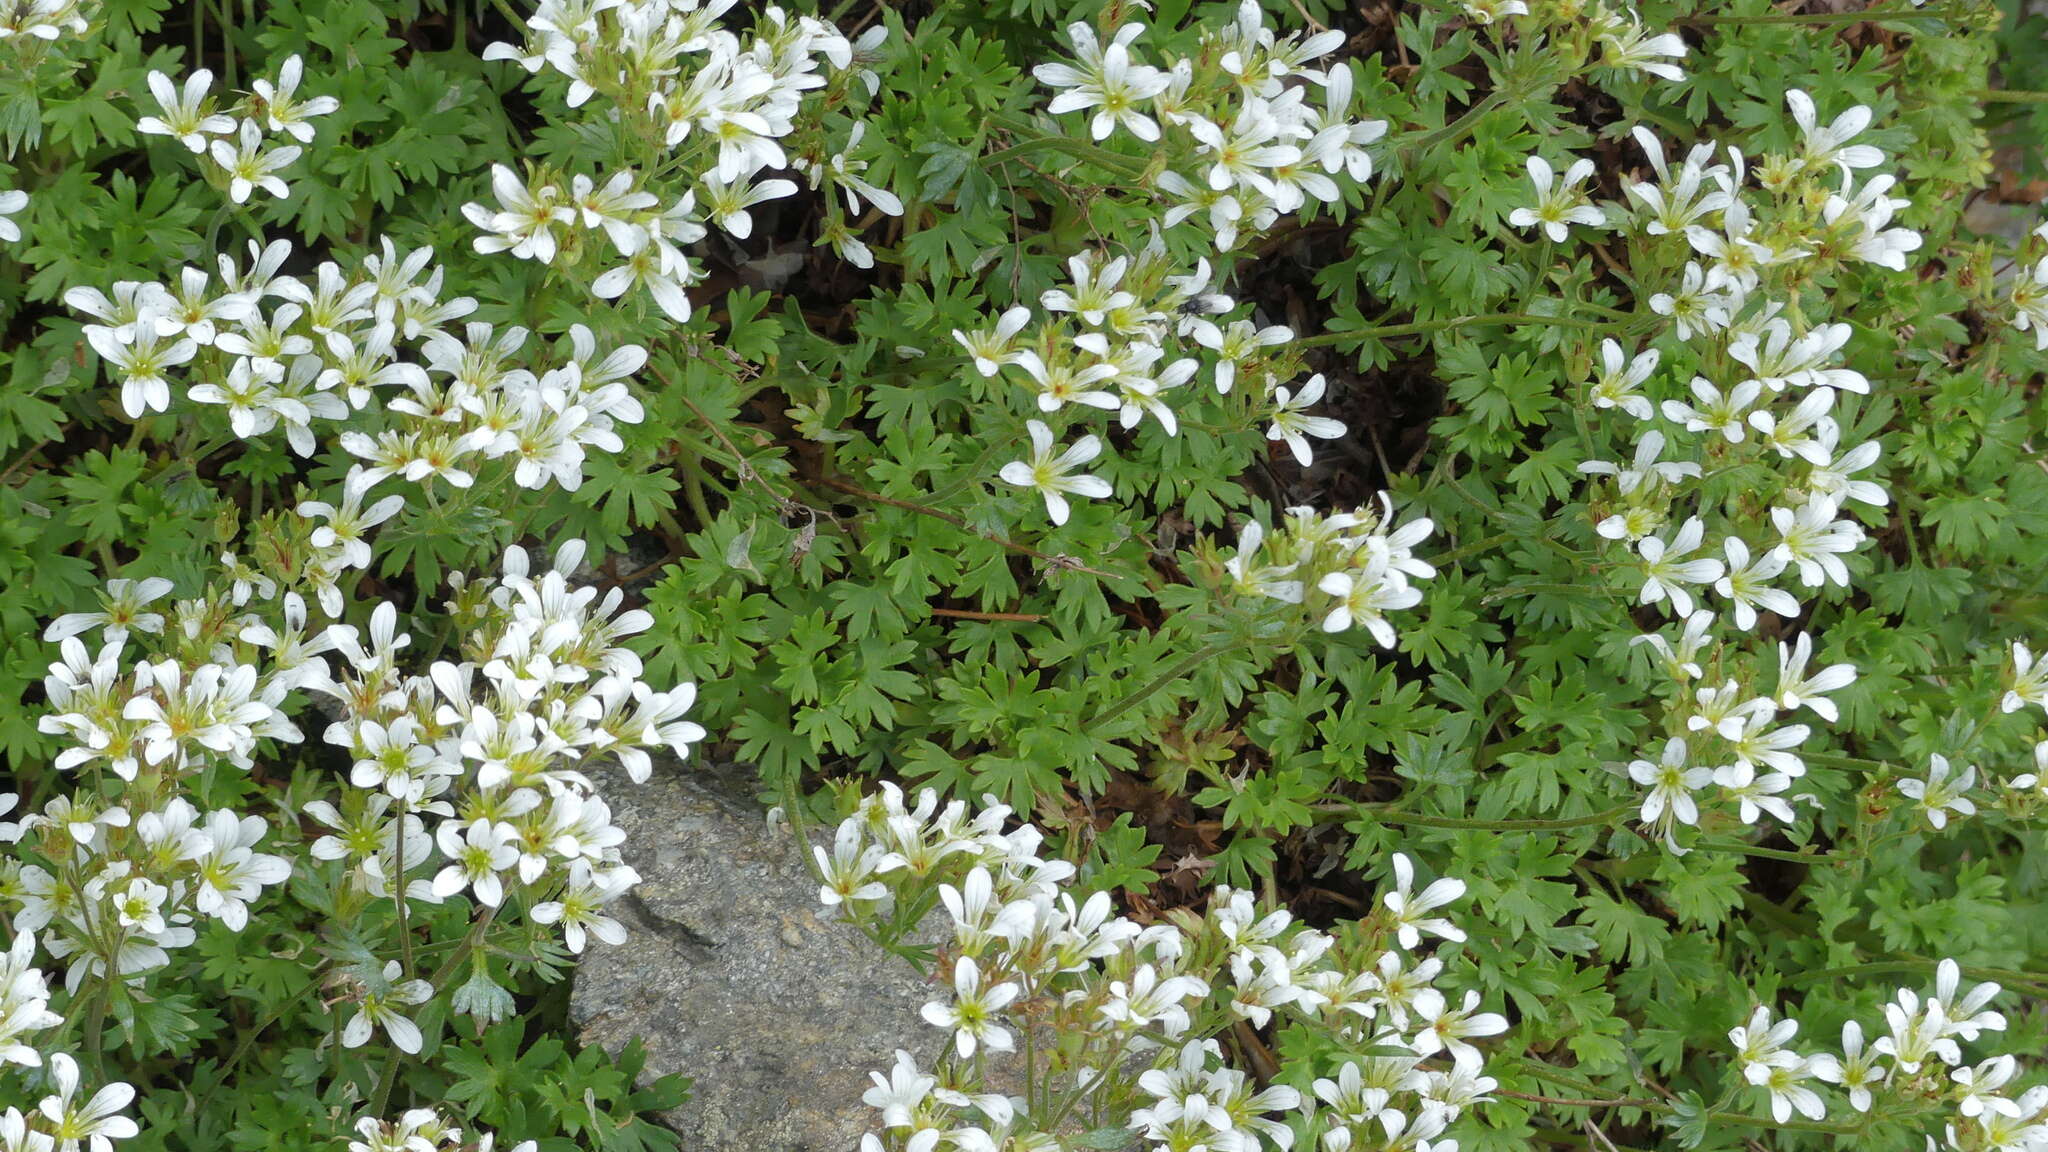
(1186, 665)
(1498, 595)
(399, 898)
(1395, 816)
(96, 1019)
(389, 1077)
(1817, 858)
(248, 1041)
(385, 1079)
(1866, 16)
(1914, 967)
(1127, 166)
(1464, 124)
(2009, 96)
(1419, 327)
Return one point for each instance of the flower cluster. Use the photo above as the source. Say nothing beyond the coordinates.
(235, 145)
(1741, 491)
(2029, 293)
(469, 778)
(371, 348)
(1358, 561)
(1121, 337)
(28, 25)
(1945, 793)
(1731, 735)
(60, 1120)
(1244, 147)
(496, 749)
(1123, 1014)
(423, 1130)
(698, 99)
(1917, 1057)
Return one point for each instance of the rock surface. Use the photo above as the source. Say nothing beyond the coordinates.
(733, 974)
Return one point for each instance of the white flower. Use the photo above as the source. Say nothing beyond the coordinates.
(1049, 475)
(1814, 540)
(1491, 12)
(972, 1014)
(1095, 294)
(381, 1008)
(1147, 1000)
(1292, 423)
(1699, 306)
(991, 348)
(253, 164)
(230, 873)
(121, 608)
(849, 872)
(476, 853)
(1965, 1015)
(1795, 687)
(1980, 1087)
(898, 1095)
(1856, 1071)
(1788, 1093)
(139, 906)
(185, 116)
(1713, 411)
(1796, 435)
(658, 266)
(2029, 680)
(1758, 796)
(1681, 663)
(1620, 378)
(1363, 598)
(24, 1002)
(1559, 203)
(1410, 910)
(1106, 80)
(1671, 784)
(1771, 747)
(526, 220)
(1624, 44)
(1243, 151)
(1666, 572)
(1940, 794)
(1760, 1044)
(1446, 1029)
(843, 170)
(10, 831)
(142, 361)
(1646, 467)
(11, 201)
(94, 1123)
(1831, 475)
(1064, 381)
(849, 247)
(1830, 145)
(726, 205)
(283, 110)
(2030, 303)
(980, 916)
(1675, 202)
(1780, 361)
(1747, 584)
(580, 907)
(1248, 575)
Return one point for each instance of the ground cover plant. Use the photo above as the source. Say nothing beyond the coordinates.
(1446, 575)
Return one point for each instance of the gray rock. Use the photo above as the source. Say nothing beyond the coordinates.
(735, 976)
